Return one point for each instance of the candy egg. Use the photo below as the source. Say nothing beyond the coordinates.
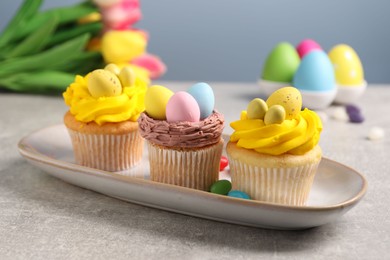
(182, 107)
(127, 76)
(315, 79)
(103, 83)
(281, 63)
(204, 96)
(112, 68)
(156, 99)
(288, 97)
(275, 115)
(238, 194)
(306, 46)
(347, 65)
(256, 109)
(221, 187)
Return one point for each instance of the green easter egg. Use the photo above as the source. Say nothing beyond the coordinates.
(281, 63)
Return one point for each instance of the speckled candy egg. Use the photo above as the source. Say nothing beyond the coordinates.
(182, 107)
(288, 97)
(103, 83)
(204, 96)
(156, 100)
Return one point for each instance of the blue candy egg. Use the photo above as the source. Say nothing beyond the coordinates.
(315, 73)
(204, 96)
(238, 194)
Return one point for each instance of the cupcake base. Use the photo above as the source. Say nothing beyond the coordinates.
(284, 179)
(196, 168)
(111, 147)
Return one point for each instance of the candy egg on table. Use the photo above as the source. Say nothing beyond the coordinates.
(204, 96)
(316, 80)
(349, 74)
(182, 107)
(306, 46)
(156, 100)
(279, 68)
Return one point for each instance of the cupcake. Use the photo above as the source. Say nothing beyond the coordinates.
(273, 152)
(183, 133)
(102, 119)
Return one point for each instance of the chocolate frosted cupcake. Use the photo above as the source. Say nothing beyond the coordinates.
(183, 132)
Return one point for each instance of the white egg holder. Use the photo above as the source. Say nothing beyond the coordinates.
(349, 94)
(315, 99)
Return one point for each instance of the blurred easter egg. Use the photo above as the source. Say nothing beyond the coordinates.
(281, 63)
(204, 96)
(315, 73)
(316, 81)
(156, 100)
(182, 107)
(306, 46)
(288, 97)
(347, 65)
(103, 83)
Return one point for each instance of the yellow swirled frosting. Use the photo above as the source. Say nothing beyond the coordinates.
(126, 106)
(294, 136)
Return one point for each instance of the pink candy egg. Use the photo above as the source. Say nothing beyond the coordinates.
(306, 46)
(182, 107)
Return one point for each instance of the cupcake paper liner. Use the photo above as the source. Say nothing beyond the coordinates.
(192, 168)
(107, 152)
(289, 186)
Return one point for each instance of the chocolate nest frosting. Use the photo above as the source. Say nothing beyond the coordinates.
(182, 134)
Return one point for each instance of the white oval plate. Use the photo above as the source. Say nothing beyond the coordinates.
(336, 189)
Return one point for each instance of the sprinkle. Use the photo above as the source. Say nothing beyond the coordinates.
(376, 133)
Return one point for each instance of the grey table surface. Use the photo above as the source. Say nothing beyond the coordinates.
(44, 217)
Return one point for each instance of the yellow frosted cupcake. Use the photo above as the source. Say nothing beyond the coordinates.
(102, 119)
(273, 152)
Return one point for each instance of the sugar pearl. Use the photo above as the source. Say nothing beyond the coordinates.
(340, 114)
(376, 133)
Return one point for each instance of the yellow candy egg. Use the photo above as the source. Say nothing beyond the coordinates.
(103, 83)
(276, 114)
(112, 68)
(288, 97)
(347, 65)
(127, 76)
(156, 99)
(256, 109)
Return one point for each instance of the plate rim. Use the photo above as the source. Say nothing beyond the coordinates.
(31, 153)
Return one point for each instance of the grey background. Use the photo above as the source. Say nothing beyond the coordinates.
(226, 40)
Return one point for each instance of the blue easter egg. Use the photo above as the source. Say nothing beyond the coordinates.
(238, 194)
(315, 73)
(204, 96)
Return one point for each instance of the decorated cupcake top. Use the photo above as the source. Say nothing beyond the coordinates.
(182, 119)
(278, 126)
(106, 95)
